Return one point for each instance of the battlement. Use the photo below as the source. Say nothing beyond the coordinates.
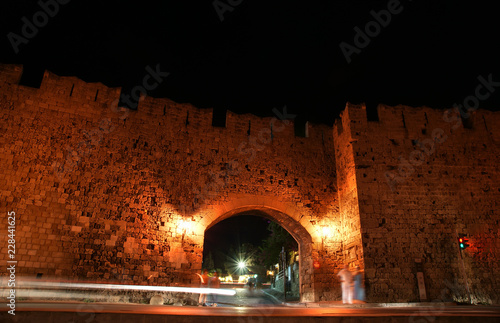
(353, 116)
(72, 88)
(412, 121)
(10, 73)
(70, 94)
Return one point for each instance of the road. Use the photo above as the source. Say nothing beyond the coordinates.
(125, 313)
(245, 306)
(262, 310)
(246, 298)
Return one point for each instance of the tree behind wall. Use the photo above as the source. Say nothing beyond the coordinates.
(209, 263)
(271, 247)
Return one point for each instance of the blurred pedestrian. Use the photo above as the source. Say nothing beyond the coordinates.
(251, 284)
(214, 282)
(359, 290)
(346, 284)
(204, 284)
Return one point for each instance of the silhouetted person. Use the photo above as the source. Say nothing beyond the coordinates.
(359, 291)
(204, 284)
(346, 284)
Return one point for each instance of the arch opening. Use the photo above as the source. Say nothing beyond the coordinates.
(303, 240)
(246, 248)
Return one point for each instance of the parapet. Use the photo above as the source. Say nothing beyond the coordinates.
(10, 73)
(412, 121)
(352, 119)
(69, 94)
(75, 89)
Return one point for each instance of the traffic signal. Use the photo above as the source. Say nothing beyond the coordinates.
(462, 241)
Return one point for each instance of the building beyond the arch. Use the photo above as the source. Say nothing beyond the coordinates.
(110, 194)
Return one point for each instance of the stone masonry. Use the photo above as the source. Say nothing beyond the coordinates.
(414, 179)
(103, 193)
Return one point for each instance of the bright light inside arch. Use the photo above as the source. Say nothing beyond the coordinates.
(184, 226)
(327, 232)
(240, 264)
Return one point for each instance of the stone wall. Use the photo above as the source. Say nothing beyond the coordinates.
(105, 193)
(348, 188)
(421, 178)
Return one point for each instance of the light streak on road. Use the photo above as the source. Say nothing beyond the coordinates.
(194, 290)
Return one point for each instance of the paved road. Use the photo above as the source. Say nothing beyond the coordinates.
(246, 305)
(125, 313)
(266, 310)
(245, 297)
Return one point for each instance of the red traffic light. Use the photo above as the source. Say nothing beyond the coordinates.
(462, 241)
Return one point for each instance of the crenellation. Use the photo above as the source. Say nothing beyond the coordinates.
(72, 88)
(354, 119)
(317, 132)
(415, 121)
(10, 73)
(390, 117)
(154, 107)
(90, 100)
(238, 124)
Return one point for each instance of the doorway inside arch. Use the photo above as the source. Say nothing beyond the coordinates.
(252, 251)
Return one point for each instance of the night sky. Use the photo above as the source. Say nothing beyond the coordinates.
(253, 56)
(231, 234)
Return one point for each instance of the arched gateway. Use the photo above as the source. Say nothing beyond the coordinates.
(295, 228)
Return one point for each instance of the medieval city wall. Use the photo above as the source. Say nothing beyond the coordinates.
(422, 176)
(110, 194)
(106, 193)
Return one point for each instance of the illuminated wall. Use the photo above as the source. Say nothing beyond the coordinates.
(421, 177)
(110, 194)
(106, 193)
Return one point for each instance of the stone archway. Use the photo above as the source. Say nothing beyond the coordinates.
(298, 232)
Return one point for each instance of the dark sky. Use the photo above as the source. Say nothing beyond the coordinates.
(266, 54)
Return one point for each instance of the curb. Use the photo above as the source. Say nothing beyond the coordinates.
(371, 305)
(274, 297)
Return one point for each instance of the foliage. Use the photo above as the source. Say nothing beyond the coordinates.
(209, 263)
(269, 251)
